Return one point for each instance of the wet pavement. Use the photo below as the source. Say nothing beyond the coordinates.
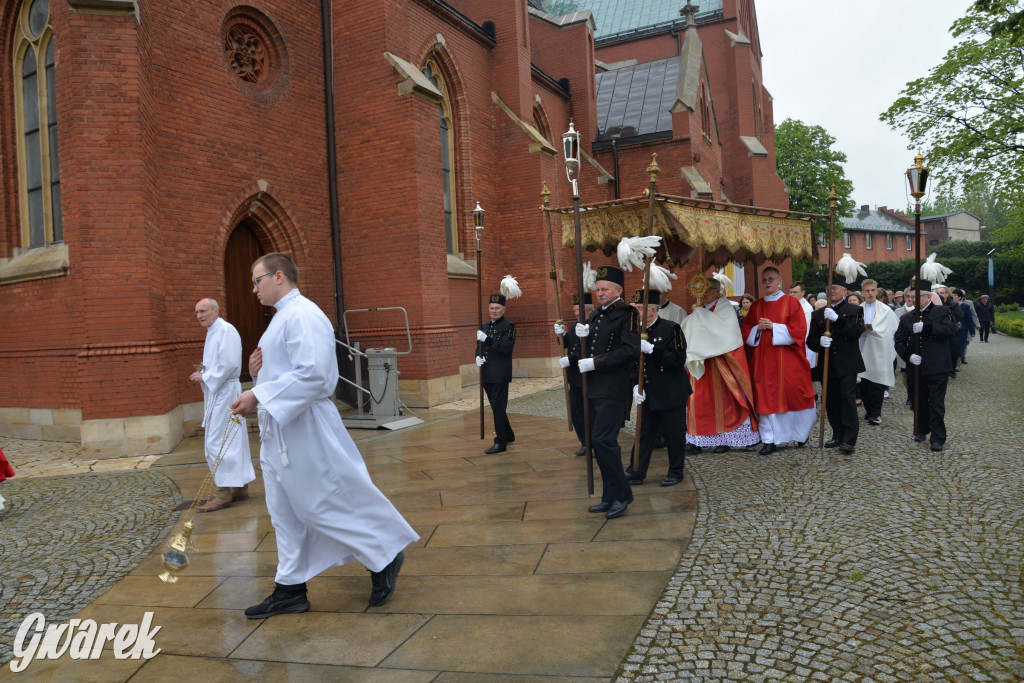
(894, 563)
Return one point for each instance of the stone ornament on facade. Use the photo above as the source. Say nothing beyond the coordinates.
(246, 54)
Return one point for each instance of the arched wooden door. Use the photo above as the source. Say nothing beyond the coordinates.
(241, 308)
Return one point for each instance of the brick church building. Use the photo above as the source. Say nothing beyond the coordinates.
(150, 151)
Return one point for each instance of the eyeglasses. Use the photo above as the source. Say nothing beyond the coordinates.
(766, 280)
(256, 280)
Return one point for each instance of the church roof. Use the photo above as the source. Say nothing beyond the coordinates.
(635, 100)
(614, 17)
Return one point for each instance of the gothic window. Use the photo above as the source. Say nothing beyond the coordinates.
(705, 113)
(446, 129)
(35, 97)
(758, 123)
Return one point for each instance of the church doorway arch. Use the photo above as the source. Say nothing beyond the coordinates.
(242, 308)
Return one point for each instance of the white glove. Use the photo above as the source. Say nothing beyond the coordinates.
(915, 359)
(481, 336)
(826, 342)
(582, 330)
(918, 326)
(830, 314)
(563, 362)
(646, 346)
(638, 396)
(560, 329)
(586, 364)
(480, 360)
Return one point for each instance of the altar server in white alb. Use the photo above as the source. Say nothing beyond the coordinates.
(878, 350)
(325, 509)
(222, 364)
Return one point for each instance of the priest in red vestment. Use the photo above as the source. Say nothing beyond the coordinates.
(783, 396)
(720, 414)
(6, 471)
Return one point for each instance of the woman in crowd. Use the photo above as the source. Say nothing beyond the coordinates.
(966, 325)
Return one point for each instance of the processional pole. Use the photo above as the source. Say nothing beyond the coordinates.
(478, 227)
(653, 170)
(833, 198)
(545, 195)
(571, 149)
(917, 177)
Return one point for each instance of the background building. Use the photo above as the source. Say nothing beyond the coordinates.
(149, 152)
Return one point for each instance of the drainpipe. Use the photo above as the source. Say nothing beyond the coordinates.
(615, 166)
(332, 172)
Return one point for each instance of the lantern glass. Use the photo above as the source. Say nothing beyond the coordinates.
(917, 178)
(571, 149)
(478, 217)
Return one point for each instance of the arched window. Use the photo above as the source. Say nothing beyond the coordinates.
(705, 113)
(35, 97)
(447, 132)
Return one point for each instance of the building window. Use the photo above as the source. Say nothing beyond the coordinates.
(888, 242)
(846, 239)
(822, 240)
(758, 120)
(705, 113)
(908, 243)
(867, 239)
(36, 107)
(447, 133)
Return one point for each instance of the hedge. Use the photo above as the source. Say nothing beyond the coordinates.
(1010, 326)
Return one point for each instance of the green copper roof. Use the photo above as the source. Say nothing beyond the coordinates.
(622, 16)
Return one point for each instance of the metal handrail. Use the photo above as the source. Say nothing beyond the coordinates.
(405, 314)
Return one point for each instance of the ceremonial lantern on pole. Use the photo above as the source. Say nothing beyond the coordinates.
(917, 178)
(478, 227)
(571, 150)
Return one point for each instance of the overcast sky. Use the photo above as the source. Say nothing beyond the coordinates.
(839, 64)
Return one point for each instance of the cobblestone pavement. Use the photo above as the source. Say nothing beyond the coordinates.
(66, 540)
(52, 458)
(892, 564)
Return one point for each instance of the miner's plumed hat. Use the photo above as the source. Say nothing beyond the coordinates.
(498, 299)
(653, 297)
(611, 274)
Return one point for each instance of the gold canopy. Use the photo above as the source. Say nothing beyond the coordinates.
(726, 231)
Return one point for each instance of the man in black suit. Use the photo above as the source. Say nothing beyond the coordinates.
(934, 330)
(495, 341)
(568, 362)
(662, 401)
(845, 361)
(613, 341)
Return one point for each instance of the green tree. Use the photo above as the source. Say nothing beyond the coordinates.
(968, 112)
(810, 167)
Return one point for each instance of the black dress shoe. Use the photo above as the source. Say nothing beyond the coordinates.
(691, 449)
(920, 437)
(634, 479)
(846, 447)
(937, 447)
(600, 507)
(671, 480)
(284, 600)
(768, 449)
(384, 581)
(582, 450)
(721, 449)
(616, 509)
(831, 443)
(910, 404)
(496, 448)
(874, 421)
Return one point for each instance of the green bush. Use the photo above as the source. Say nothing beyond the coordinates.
(1007, 308)
(1010, 326)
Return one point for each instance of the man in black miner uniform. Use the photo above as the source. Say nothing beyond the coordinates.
(935, 329)
(568, 362)
(844, 362)
(613, 340)
(662, 401)
(496, 340)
